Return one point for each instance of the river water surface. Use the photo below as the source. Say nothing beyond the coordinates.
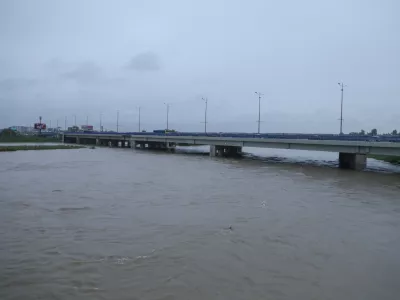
(123, 224)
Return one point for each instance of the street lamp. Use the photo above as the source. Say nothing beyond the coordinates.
(139, 108)
(167, 105)
(342, 85)
(40, 125)
(205, 114)
(117, 120)
(101, 126)
(259, 109)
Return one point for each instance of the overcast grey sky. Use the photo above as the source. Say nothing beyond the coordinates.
(83, 58)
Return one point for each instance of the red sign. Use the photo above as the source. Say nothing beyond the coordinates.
(41, 126)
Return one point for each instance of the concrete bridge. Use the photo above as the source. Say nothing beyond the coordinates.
(352, 150)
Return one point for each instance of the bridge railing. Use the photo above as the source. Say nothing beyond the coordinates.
(335, 137)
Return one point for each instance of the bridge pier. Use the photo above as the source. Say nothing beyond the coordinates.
(352, 161)
(170, 147)
(226, 151)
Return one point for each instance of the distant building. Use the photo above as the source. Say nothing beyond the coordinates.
(87, 127)
(73, 129)
(23, 129)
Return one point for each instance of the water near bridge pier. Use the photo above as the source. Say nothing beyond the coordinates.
(124, 224)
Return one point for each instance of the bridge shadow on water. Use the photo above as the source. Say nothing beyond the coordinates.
(295, 160)
(324, 166)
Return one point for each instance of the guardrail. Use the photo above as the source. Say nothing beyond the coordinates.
(292, 136)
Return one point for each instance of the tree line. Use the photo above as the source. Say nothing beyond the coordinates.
(374, 131)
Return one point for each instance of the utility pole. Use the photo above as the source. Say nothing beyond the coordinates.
(101, 127)
(87, 120)
(75, 120)
(341, 84)
(57, 126)
(65, 124)
(139, 117)
(167, 105)
(205, 114)
(117, 120)
(259, 109)
(40, 125)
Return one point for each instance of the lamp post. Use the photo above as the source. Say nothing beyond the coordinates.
(40, 125)
(139, 108)
(259, 109)
(167, 105)
(117, 120)
(342, 85)
(205, 114)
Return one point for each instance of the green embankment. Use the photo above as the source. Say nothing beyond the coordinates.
(36, 147)
(27, 139)
(389, 159)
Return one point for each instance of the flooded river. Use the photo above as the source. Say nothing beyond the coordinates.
(122, 224)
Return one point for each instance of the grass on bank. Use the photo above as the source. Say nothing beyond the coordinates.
(36, 147)
(28, 139)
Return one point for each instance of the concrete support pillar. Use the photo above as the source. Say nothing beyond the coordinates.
(137, 144)
(231, 151)
(97, 142)
(352, 161)
(78, 140)
(213, 150)
(63, 138)
(226, 151)
(170, 147)
(110, 144)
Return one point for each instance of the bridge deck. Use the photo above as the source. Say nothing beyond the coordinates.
(380, 145)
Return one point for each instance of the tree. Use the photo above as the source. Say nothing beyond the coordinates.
(374, 132)
(362, 132)
(394, 132)
(7, 132)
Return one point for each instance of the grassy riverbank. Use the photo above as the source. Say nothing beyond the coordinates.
(389, 159)
(36, 147)
(28, 139)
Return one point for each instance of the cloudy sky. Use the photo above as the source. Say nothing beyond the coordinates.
(61, 59)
